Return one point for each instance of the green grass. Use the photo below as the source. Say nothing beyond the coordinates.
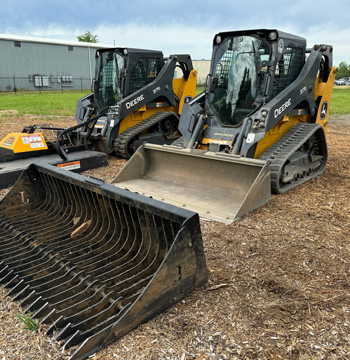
(44, 103)
(340, 101)
(58, 103)
(199, 89)
(30, 323)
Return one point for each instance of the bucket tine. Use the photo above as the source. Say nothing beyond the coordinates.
(92, 260)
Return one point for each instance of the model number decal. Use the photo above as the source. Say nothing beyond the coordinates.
(134, 102)
(303, 90)
(156, 89)
(285, 106)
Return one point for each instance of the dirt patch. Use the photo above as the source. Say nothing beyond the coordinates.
(278, 281)
(341, 119)
(8, 112)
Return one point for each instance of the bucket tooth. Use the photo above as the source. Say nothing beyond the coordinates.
(17, 286)
(73, 340)
(3, 272)
(7, 277)
(40, 312)
(64, 333)
(93, 261)
(23, 293)
(55, 325)
(29, 299)
(36, 304)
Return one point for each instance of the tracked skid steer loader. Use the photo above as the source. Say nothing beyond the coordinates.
(259, 126)
(94, 260)
(91, 260)
(138, 96)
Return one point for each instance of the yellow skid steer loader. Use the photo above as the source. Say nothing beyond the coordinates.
(135, 99)
(138, 96)
(259, 126)
(94, 260)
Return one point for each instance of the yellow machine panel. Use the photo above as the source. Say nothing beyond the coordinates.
(23, 142)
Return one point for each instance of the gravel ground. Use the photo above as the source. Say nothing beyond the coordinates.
(278, 279)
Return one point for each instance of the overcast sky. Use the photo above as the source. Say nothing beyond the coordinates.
(178, 26)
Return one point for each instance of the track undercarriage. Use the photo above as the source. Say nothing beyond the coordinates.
(298, 156)
(163, 123)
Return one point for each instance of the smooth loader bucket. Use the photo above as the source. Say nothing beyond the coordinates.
(217, 186)
(91, 260)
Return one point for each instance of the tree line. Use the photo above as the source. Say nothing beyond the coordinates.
(88, 37)
(343, 70)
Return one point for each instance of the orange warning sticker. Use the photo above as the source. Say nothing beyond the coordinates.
(70, 165)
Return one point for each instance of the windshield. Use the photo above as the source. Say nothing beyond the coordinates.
(240, 78)
(108, 84)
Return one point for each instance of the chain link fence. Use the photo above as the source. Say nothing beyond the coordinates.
(49, 83)
(43, 83)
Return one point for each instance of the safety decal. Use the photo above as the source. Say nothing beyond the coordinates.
(70, 166)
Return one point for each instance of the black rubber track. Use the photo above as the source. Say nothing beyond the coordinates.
(121, 143)
(292, 141)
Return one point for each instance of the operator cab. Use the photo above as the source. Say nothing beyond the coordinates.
(248, 69)
(121, 72)
(239, 66)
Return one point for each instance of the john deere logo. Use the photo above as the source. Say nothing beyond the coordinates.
(324, 109)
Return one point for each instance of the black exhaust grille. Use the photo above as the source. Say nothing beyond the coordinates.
(84, 256)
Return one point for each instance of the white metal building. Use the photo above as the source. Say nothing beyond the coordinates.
(28, 63)
(32, 63)
(203, 68)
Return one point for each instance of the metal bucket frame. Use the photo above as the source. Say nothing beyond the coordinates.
(92, 260)
(217, 186)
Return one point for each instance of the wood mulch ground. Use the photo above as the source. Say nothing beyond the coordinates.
(279, 279)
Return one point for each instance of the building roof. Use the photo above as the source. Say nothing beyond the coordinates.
(53, 41)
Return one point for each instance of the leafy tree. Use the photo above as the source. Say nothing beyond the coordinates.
(343, 70)
(88, 37)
